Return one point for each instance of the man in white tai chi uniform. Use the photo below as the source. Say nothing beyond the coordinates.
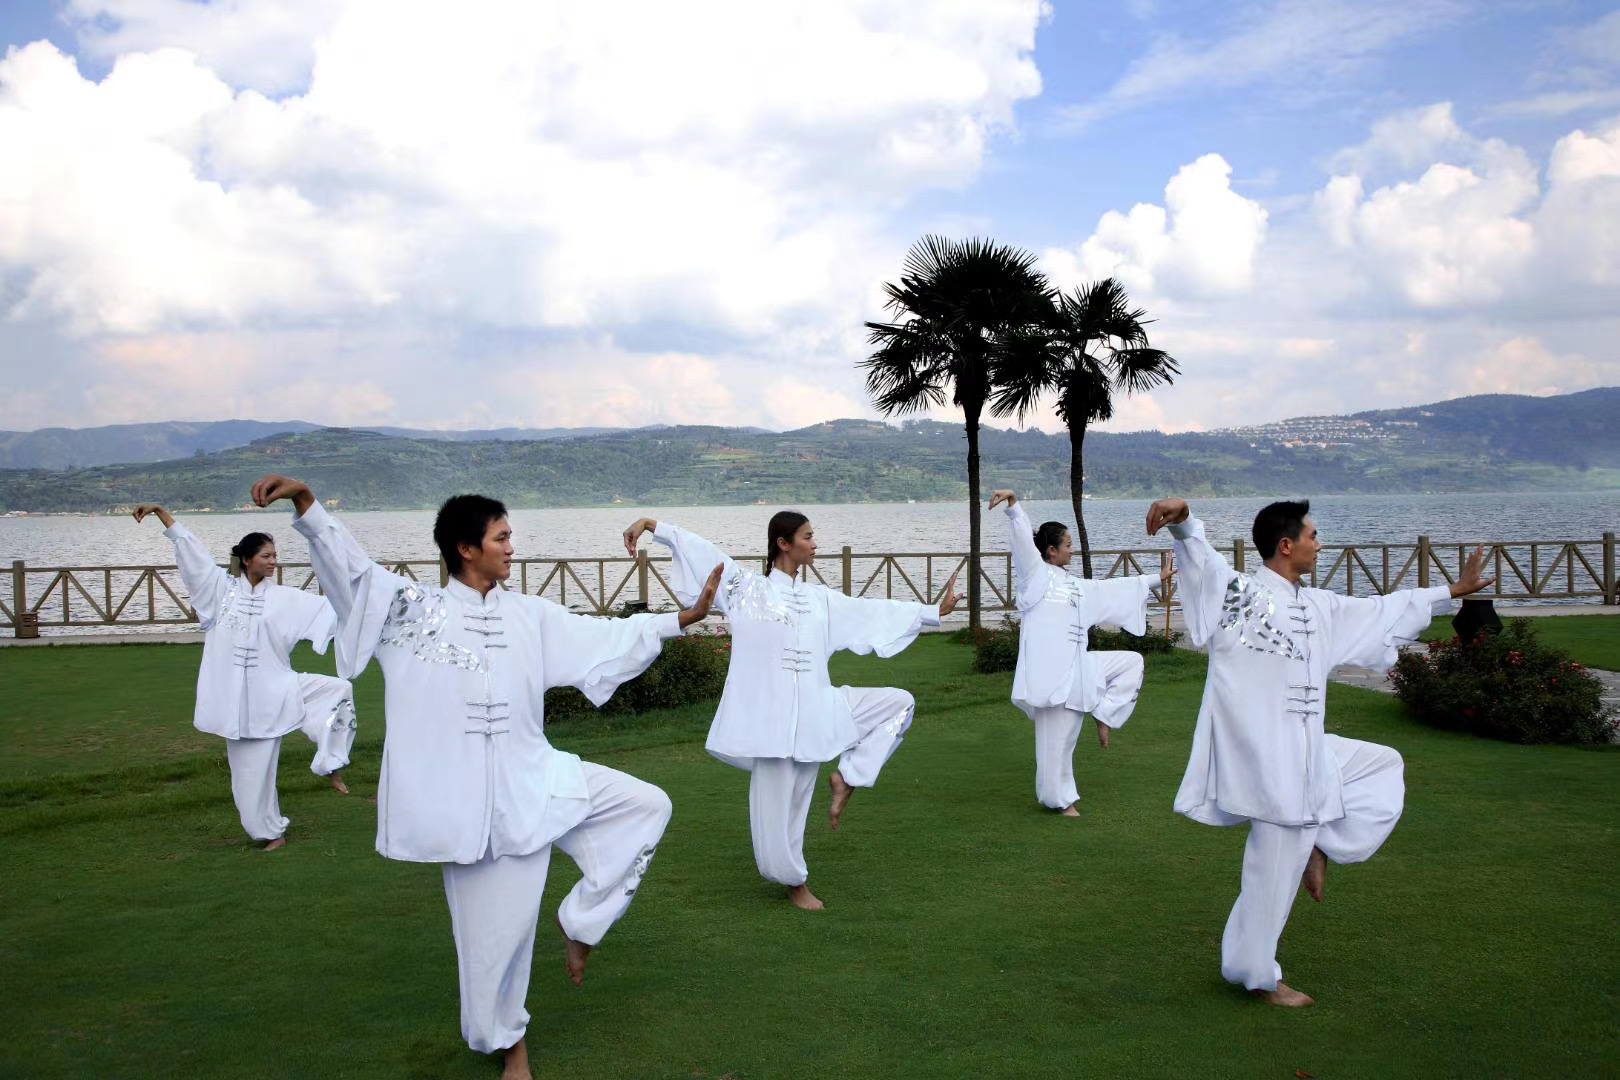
(468, 777)
(1259, 751)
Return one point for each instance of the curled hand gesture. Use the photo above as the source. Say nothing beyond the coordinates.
(705, 599)
(1166, 512)
(633, 533)
(948, 600)
(1002, 495)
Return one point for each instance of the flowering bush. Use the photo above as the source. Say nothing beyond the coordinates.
(689, 669)
(1505, 686)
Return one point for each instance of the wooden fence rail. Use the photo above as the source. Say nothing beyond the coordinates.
(152, 595)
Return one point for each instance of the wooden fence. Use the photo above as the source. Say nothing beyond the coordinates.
(86, 597)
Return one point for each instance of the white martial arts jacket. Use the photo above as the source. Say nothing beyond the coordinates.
(245, 687)
(779, 701)
(467, 770)
(1056, 608)
(1259, 751)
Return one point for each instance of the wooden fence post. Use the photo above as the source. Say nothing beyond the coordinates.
(1423, 562)
(1237, 554)
(849, 572)
(444, 573)
(641, 578)
(1611, 587)
(19, 596)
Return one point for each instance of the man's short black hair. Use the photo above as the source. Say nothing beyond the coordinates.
(463, 519)
(1276, 521)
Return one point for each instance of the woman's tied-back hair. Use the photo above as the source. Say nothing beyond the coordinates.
(785, 525)
(1276, 521)
(247, 547)
(1049, 535)
(463, 519)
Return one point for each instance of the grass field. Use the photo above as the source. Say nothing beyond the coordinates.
(968, 933)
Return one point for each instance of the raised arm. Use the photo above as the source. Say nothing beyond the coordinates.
(1204, 573)
(1368, 631)
(597, 655)
(692, 560)
(359, 590)
(206, 583)
(1027, 560)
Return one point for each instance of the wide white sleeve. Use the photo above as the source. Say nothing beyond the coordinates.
(692, 560)
(313, 620)
(1368, 631)
(206, 583)
(359, 591)
(1027, 561)
(1121, 602)
(597, 655)
(1203, 575)
(868, 625)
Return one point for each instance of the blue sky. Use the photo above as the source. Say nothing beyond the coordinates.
(351, 211)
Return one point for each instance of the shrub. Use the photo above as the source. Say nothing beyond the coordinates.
(1504, 686)
(1154, 641)
(997, 649)
(689, 669)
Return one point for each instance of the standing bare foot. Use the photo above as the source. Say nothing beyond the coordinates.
(577, 954)
(1103, 731)
(338, 785)
(1069, 811)
(1315, 874)
(800, 896)
(517, 1062)
(278, 842)
(840, 799)
(1284, 995)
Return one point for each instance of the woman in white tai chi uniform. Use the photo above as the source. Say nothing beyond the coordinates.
(247, 693)
(1260, 753)
(469, 779)
(1059, 679)
(780, 716)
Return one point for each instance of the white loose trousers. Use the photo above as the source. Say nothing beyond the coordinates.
(1274, 858)
(780, 789)
(253, 786)
(495, 902)
(1057, 729)
(328, 721)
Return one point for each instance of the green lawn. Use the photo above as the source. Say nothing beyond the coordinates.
(1593, 640)
(968, 933)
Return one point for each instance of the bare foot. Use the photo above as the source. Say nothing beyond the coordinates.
(577, 954)
(1315, 874)
(278, 842)
(338, 785)
(1284, 995)
(517, 1062)
(1069, 811)
(840, 799)
(800, 896)
(1103, 731)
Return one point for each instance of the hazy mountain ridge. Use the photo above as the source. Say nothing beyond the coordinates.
(1493, 442)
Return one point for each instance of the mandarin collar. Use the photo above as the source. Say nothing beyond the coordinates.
(469, 595)
(1276, 582)
(782, 578)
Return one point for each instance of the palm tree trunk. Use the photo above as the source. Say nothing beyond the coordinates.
(973, 516)
(1077, 491)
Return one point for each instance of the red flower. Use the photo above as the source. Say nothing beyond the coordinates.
(1467, 711)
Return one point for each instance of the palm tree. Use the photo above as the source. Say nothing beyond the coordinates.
(1101, 348)
(971, 320)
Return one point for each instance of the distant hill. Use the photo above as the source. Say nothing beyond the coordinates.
(1489, 443)
(60, 449)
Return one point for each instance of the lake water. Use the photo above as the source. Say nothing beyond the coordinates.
(907, 527)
